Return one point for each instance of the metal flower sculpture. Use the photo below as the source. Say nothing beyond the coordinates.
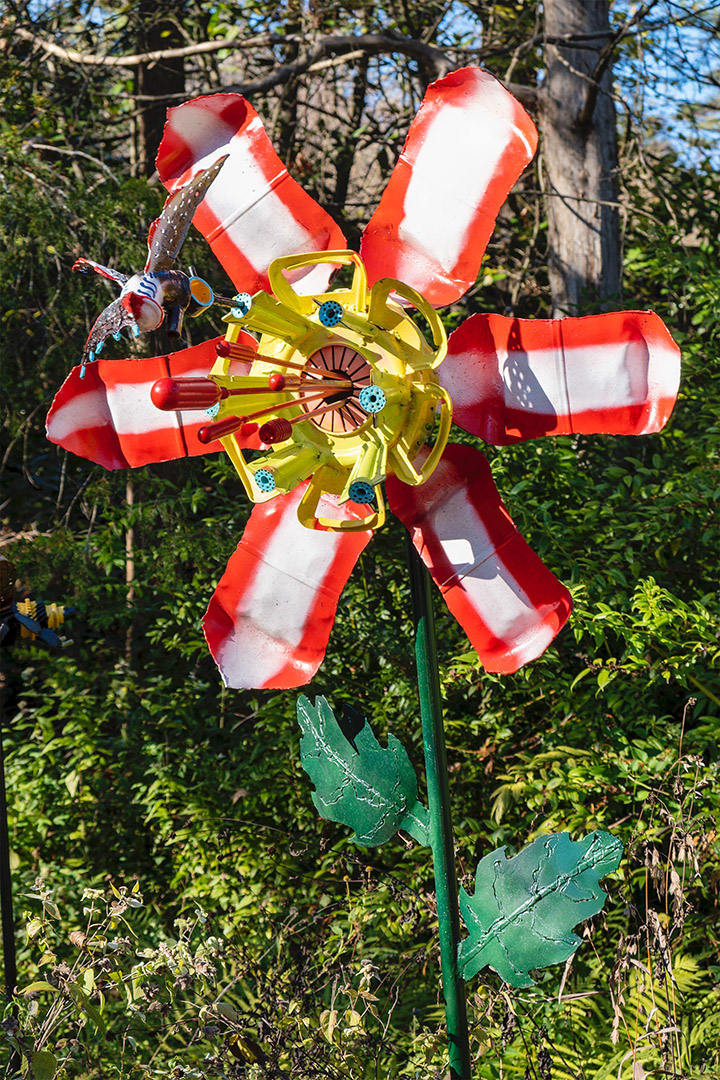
(343, 391)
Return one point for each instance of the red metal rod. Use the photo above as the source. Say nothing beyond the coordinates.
(292, 382)
(285, 405)
(240, 352)
(280, 429)
(173, 395)
(229, 424)
(243, 352)
(310, 369)
(176, 395)
(310, 386)
(220, 429)
(316, 412)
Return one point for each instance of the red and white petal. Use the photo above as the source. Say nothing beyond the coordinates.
(109, 418)
(254, 211)
(466, 148)
(514, 379)
(270, 618)
(507, 601)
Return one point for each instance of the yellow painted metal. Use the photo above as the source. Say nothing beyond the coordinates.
(55, 614)
(382, 344)
(330, 481)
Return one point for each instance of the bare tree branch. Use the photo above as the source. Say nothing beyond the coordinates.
(72, 56)
(46, 147)
(340, 49)
(387, 42)
(370, 44)
(604, 59)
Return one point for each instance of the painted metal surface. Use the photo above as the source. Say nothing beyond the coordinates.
(346, 400)
(21, 621)
(467, 146)
(34, 620)
(440, 820)
(370, 788)
(521, 915)
(523, 910)
(515, 379)
(255, 212)
(269, 620)
(146, 299)
(327, 447)
(109, 416)
(507, 601)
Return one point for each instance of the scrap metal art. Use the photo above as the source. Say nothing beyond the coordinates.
(145, 299)
(523, 909)
(358, 783)
(20, 621)
(344, 391)
(31, 619)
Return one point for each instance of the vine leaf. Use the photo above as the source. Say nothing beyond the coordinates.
(357, 782)
(524, 908)
(39, 1065)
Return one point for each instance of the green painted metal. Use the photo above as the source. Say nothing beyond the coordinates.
(441, 836)
(357, 782)
(523, 910)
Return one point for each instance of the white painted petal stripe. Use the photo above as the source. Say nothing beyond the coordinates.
(513, 379)
(506, 600)
(109, 418)
(466, 148)
(270, 618)
(254, 211)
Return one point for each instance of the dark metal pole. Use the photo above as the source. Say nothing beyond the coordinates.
(8, 928)
(441, 836)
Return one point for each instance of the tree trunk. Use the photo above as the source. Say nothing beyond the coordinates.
(284, 126)
(159, 28)
(345, 157)
(580, 157)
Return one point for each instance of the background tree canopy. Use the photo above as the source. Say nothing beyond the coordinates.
(259, 942)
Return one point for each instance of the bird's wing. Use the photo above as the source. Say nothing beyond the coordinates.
(168, 232)
(111, 321)
(87, 266)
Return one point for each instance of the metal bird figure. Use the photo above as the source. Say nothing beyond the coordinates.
(145, 299)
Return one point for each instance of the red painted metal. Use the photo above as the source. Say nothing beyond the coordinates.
(507, 601)
(514, 379)
(269, 621)
(466, 148)
(254, 211)
(278, 430)
(220, 429)
(178, 394)
(109, 416)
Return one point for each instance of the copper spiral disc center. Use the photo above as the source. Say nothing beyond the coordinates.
(349, 415)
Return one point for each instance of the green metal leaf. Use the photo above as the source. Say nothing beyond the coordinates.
(523, 910)
(357, 782)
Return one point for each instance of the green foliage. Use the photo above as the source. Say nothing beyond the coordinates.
(523, 908)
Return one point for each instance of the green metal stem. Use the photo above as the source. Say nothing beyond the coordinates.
(441, 836)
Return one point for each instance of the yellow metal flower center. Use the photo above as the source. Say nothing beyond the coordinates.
(342, 387)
